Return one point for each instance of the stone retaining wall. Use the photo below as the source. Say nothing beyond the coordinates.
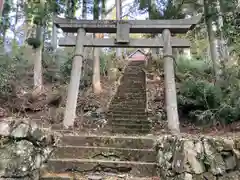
(198, 158)
(23, 149)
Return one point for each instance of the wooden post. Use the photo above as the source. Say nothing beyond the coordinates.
(170, 86)
(70, 111)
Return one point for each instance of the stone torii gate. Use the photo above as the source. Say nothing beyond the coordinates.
(123, 28)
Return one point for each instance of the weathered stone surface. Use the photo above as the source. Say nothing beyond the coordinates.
(198, 158)
(230, 162)
(235, 175)
(23, 149)
(4, 128)
(213, 158)
(21, 131)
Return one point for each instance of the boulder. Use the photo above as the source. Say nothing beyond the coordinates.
(23, 149)
(198, 157)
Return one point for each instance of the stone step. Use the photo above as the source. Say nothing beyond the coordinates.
(137, 101)
(137, 73)
(129, 123)
(128, 104)
(78, 176)
(136, 62)
(136, 96)
(116, 177)
(55, 176)
(123, 107)
(135, 65)
(128, 89)
(130, 85)
(114, 108)
(128, 131)
(132, 97)
(131, 89)
(129, 95)
(133, 142)
(126, 111)
(137, 79)
(107, 153)
(127, 120)
(132, 92)
(130, 101)
(131, 126)
(127, 116)
(134, 73)
(134, 168)
(108, 129)
(135, 69)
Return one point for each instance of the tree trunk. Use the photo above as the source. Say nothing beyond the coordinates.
(38, 84)
(211, 38)
(16, 20)
(170, 86)
(151, 9)
(84, 9)
(223, 50)
(1, 7)
(96, 56)
(54, 35)
(3, 29)
(85, 70)
(118, 17)
(96, 80)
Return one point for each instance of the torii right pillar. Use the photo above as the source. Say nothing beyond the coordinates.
(170, 85)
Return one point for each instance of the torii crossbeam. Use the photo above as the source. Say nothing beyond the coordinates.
(123, 28)
(135, 26)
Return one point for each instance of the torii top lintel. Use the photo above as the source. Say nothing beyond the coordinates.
(135, 26)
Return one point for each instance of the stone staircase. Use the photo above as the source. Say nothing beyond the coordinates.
(79, 156)
(127, 110)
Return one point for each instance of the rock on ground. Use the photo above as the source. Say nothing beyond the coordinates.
(23, 149)
(198, 158)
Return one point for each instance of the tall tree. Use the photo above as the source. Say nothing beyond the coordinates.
(96, 81)
(211, 36)
(40, 14)
(5, 19)
(118, 17)
(1, 7)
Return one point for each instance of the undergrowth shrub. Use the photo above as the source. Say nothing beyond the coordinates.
(12, 68)
(200, 99)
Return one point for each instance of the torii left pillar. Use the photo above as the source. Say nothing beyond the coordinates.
(70, 110)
